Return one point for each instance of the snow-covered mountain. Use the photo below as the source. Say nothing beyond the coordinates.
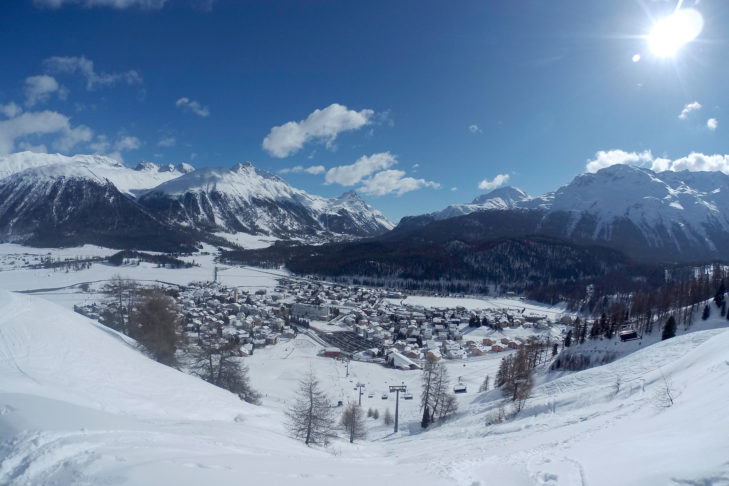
(648, 215)
(55, 200)
(145, 175)
(70, 204)
(246, 199)
(501, 199)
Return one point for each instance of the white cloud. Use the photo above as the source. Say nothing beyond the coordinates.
(688, 108)
(38, 89)
(606, 158)
(185, 103)
(474, 129)
(167, 142)
(72, 137)
(320, 125)
(85, 67)
(127, 143)
(314, 169)
(712, 124)
(118, 4)
(39, 149)
(101, 145)
(694, 162)
(349, 175)
(11, 110)
(454, 189)
(393, 182)
(41, 123)
(498, 181)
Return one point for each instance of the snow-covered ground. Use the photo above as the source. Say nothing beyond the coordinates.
(79, 406)
(67, 288)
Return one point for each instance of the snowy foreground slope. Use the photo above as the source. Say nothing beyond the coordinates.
(78, 405)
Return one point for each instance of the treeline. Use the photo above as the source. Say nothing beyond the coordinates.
(505, 264)
(167, 261)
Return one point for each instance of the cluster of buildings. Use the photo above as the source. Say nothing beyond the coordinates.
(249, 321)
(403, 334)
(359, 322)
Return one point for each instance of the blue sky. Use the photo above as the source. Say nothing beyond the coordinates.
(426, 100)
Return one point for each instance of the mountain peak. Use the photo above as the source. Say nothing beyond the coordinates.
(184, 167)
(508, 194)
(147, 166)
(242, 166)
(351, 195)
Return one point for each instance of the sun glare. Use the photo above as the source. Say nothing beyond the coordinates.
(672, 32)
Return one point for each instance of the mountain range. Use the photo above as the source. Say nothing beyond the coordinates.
(650, 216)
(54, 200)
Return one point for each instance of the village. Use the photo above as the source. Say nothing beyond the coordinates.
(349, 322)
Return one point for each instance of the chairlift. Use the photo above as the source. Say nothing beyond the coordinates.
(460, 388)
(407, 396)
(384, 396)
(628, 334)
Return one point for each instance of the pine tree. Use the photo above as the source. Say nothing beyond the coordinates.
(669, 330)
(310, 417)
(707, 313)
(719, 296)
(387, 418)
(568, 339)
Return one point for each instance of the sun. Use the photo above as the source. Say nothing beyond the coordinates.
(672, 32)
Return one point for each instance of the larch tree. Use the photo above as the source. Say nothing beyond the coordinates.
(310, 418)
(154, 325)
(353, 422)
(215, 362)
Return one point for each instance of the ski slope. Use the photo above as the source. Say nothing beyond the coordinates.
(79, 405)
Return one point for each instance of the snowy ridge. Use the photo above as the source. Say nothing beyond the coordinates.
(96, 167)
(676, 206)
(246, 199)
(680, 214)
(501, 199)
(242, 199)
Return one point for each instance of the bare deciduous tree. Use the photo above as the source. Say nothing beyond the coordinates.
(515, 377)
(215, 362)
(353, 422)
(155, 322)
(435, 398)
(123, 292)
(310, 417)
